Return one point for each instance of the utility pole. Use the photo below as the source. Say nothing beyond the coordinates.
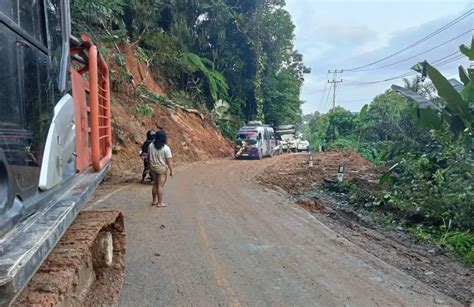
(334, 81)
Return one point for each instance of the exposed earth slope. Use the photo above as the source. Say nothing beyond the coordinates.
(192, 136)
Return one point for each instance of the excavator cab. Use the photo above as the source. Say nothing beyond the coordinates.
(55, 133)
(34, 63)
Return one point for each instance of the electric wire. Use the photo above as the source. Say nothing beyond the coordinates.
(450, 60)
(357, 100)
(327, 100)
(445, 57)
(323, 95)
(328, 97)
(434, 33)
(324, 91)
(439, 62)
(416, 55)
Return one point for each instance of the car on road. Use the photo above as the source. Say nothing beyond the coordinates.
(288, 142)
(302, 145)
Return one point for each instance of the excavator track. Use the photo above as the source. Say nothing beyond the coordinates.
(86, 268)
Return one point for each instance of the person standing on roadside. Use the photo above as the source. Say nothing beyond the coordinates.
(160, 160)
(150, 137)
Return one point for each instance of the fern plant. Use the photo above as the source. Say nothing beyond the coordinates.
(216, 81)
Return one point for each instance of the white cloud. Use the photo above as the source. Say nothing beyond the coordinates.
(341, 34)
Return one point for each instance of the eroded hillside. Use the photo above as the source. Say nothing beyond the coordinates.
(192, 135)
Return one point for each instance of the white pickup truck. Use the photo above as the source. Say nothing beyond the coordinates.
(288, 139)
(302, 145)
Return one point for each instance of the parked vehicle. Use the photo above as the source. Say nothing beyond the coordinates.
(255, 140)
(288, 142)
(302, 145)
(287, 136)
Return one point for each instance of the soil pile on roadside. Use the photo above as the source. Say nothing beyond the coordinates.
(395, 246)
(295, 176)
(192, 136)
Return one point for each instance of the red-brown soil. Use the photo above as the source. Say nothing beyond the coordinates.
(192, 137)
(70, 276)
(139, 71)
(295, 176)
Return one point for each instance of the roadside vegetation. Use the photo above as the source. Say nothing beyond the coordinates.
(237, 52)
(425, 143)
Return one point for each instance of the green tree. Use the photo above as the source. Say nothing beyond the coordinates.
(282, 103)
(342, 123)
(240, 51)
(384, 117)
(318, 125)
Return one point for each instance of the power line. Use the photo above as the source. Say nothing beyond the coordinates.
(450, 60)
(324, 91)
(352, 83)
(327, 100)
(436, 32)
(320, 90)
(414, 56)
(439, 62)
(445, 57)
(357, 100)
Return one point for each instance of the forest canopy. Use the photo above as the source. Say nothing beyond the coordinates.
(237, 51)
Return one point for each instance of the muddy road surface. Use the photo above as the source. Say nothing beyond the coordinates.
(225, 240)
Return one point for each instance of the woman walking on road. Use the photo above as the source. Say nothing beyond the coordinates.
(160, 160)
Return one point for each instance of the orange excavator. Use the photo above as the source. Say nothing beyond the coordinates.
(55, 149)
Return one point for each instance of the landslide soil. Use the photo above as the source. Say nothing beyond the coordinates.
(303, 184)
(192, 136)
(294, 176)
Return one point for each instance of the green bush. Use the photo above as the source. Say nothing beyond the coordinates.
(460, 243)
(438, 185)
(226, 129)
(369, 151)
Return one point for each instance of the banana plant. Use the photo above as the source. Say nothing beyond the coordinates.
(220, 111)
(457, 111)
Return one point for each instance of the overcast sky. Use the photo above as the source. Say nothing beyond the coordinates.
(337, 34)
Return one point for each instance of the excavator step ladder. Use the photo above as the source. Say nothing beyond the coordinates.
(24, 248)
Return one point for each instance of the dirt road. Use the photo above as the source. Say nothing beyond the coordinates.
(225, 240)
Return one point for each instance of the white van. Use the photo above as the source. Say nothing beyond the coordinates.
(254, 140)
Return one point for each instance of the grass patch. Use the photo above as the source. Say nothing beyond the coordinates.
(144, 110)
(149, 96)
(459, 243)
